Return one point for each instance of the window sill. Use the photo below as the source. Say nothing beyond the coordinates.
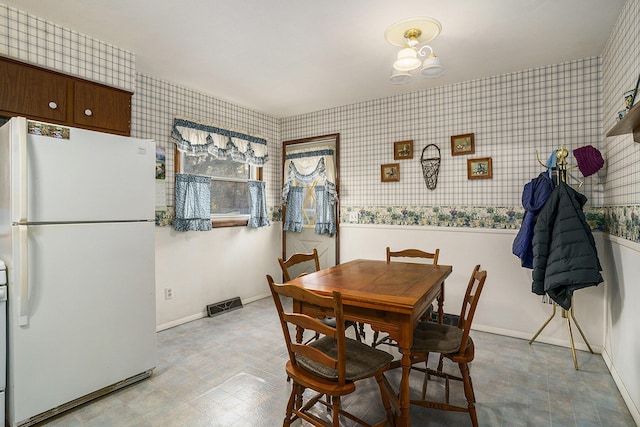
(220, 223)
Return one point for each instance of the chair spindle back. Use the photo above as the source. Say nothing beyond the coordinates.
(413, 253)
(332, 306)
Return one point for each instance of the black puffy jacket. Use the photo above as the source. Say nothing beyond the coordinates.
(564, 251)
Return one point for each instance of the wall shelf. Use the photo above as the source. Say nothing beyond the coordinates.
(630, 123)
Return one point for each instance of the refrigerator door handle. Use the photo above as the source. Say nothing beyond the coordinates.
(23, 173)
(23, 293)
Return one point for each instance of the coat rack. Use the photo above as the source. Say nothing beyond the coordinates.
(562, 169)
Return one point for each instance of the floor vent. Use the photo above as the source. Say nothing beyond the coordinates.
(224, 306)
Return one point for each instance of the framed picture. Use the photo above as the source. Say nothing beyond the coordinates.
(635, 96)
(462, 144)
(479, 168)
(390, 172)
(403, 150)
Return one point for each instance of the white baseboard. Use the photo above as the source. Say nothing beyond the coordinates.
(179, 322)
(256, 298)
(197, 316)
(633, 409)
(579, 345)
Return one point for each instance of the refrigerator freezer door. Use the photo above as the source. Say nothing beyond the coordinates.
(91, 176)
(91, 313)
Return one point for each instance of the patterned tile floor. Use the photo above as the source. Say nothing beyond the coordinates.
(228, 371)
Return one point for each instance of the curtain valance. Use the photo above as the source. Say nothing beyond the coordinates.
(196, 138)
(307, 166)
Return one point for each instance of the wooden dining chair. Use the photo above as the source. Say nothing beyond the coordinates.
(308, 263)
(453, 343)
(413, 253)
(405, 253)
(311, 262)
(331, 365)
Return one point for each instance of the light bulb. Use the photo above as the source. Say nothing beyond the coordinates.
(400, 77)
(432, 68)
(407, 60)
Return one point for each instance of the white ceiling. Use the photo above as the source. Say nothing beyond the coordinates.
(288, 57)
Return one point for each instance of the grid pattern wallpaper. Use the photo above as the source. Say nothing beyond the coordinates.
(571, 105)
(511, 117)
(621, 57)
(156, 103)
(30, 39)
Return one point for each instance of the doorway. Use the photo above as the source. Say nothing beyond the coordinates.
(311, 169)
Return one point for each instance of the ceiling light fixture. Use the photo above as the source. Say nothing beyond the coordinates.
(412, 35)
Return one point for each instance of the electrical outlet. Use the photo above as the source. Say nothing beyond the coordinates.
(353, 216)
(168, 293)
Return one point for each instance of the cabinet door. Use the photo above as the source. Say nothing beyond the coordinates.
(32, 92)
(100, 107)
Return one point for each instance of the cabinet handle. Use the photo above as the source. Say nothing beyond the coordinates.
(53, 105)
(88, 112)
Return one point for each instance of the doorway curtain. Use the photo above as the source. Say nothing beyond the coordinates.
(310, 174)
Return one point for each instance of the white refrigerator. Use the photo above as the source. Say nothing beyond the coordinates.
(77, 236)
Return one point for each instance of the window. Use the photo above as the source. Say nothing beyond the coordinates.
(209, 147)
(229, 189)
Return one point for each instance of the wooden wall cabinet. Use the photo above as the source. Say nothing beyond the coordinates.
(40, 94)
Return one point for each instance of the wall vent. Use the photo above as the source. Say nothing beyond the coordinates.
(224, 306)
(448, 319)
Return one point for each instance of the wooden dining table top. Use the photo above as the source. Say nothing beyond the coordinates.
(394, 287)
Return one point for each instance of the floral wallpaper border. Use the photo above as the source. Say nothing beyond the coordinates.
(620, 221)
(439, 216)
(166, 217)
(623, 221)
(497, 217)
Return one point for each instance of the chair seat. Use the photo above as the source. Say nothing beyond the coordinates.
(362, 361)
(436, 338)
(301, 376)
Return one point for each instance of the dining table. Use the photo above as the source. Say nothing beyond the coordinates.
(390, 297)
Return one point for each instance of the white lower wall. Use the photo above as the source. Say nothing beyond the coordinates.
(622, 344)
(207, 267)
(507, 305)
(608, 314)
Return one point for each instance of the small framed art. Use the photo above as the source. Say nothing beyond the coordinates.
(403, 150)
(634, 95)
(390, 172)
(462, 144)
(479, 168)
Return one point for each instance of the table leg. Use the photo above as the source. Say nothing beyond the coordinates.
(404, 419)
(297, 308)
(440, 299)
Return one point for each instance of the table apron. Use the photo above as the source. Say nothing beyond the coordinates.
(399, 326)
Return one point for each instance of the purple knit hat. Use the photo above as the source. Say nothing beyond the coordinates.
(589, 159)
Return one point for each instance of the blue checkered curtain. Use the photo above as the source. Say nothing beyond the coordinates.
(258, 216)
(293, 220)
(325, 212)
(193, 203)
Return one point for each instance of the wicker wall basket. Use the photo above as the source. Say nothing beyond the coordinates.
(430, 165)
